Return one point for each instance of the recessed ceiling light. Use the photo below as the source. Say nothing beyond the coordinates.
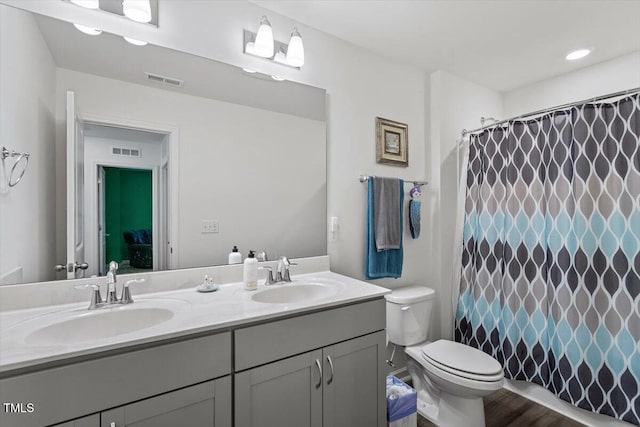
(249, 70)
(88, 30)
(577, 54)
(135, 41)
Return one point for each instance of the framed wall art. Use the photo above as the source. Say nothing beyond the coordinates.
(392, 142)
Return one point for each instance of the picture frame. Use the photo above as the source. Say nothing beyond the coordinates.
(392, 142)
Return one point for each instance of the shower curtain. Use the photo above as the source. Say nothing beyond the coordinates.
(550, 278)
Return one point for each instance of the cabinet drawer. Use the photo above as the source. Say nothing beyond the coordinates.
(260, 344)
(67, 392)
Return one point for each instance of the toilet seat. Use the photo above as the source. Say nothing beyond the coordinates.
(462, 361)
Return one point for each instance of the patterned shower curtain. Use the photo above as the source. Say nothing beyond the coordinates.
(550, 277)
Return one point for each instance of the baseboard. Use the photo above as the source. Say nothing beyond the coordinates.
(545, 398)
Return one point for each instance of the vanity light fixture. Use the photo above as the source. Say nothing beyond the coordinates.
(577, 54)
(263, 45)
(264, 39)
(278, 78)
(295, 51)
(249, 70)
(89, 4)
(135, 42)
(137, 10)
(88, 30)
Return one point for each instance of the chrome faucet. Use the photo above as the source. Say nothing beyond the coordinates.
(112, 296)
(282, 273)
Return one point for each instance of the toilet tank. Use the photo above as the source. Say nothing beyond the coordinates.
(409, 314)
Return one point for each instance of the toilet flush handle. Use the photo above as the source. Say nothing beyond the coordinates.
(405, 308)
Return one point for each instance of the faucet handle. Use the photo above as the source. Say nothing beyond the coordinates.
(113, 265)
(96, 298)
(268, 280)
(126, 293)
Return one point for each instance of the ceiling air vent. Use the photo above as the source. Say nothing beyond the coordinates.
(170, 81)
(131, 152)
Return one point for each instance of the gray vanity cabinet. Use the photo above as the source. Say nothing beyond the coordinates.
(287, 393)
(325, 369)
(353, 391)
(90, 421)
(203, 405)
(337, 386)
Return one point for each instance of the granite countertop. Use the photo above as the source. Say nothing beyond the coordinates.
(193, 312)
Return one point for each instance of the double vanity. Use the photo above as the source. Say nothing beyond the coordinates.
(306, 353)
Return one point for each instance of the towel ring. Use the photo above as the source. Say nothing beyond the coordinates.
(13, 181)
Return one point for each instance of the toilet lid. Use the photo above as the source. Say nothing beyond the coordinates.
(461, 358)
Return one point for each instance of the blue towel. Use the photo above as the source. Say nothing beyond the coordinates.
(386, 263)
(414, 218)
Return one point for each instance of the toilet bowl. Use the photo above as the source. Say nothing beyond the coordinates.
(450, 378)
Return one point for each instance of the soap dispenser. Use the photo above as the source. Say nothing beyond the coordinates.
(235, 257)
(250, 276)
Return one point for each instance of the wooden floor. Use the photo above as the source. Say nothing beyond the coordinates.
(506, 409)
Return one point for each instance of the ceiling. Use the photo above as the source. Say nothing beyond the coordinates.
(501, 44)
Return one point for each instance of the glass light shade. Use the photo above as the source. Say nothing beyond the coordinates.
(264, 39)
(280, 57)
(88, 30)
(295, 51)
(137, 10)
(577, 54)
(250, 48)
(89, 4)
(135, 42)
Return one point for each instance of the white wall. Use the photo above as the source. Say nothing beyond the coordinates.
(618, 74)
(27, 78)
(278, 206)
(455, 104)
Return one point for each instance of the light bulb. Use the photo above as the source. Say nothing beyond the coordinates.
(280, 57)
(295, 51)
(135, 42)
(89, 4)
(264, 39)
(137, 10)
(88, 30)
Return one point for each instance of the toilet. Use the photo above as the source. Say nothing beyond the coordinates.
(450, 378)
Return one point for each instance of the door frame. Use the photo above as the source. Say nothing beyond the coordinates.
(172, 133)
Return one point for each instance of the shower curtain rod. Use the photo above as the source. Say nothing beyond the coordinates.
(546, 110)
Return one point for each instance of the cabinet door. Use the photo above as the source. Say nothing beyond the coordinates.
(90, 421)
(287, 393)
(203, 405)
(354, 382)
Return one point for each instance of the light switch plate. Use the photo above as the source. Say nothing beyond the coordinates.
(209, 226)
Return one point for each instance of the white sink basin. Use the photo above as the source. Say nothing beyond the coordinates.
(291, 293)
(99, 324)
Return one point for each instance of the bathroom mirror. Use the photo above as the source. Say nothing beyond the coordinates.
(177, 158)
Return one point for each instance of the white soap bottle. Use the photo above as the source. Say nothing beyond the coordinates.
(235, 257)
(250, 276)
